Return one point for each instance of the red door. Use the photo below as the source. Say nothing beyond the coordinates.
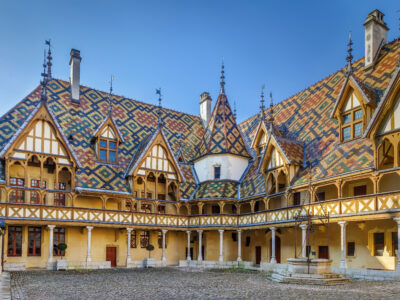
(323, 252)
(258, 255)
(111, 255)
(277, 249)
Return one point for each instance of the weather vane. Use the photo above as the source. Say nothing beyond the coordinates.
(159, 111)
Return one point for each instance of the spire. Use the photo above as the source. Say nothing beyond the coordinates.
(234, 110)
(222, 91)
(159, 111)
(49, 59)
(110, 97)
(271, 110)
(349, 57)
(262, 107)
(43, 82)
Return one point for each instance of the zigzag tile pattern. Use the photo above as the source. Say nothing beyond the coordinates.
(217, 189)
(306, 115)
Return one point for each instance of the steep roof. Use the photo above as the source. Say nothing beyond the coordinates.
(222, 134)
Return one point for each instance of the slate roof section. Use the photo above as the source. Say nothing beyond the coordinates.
(222, 134)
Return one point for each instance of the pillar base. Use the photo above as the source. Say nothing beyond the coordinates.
(239, 259)
(273, 260)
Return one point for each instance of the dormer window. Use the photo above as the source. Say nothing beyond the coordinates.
(108, 146)
(217, 172)
(275, 160)
(352, 118)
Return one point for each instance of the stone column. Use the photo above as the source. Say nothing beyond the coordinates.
(397, 220)
(221, 245)
(188, 258)
(128, 245)
(200, 257)
(163, 259)
(303, 240)
(89, 243)
(342, 244)
(273, 258)
(51, 234)
(239, 240)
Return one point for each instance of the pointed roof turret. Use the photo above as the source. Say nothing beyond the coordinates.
(222, 134)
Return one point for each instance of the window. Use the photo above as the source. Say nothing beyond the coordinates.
(379, 243)
(59, 237)
(360, 190)
(296, 198)
(17, 196)
(323, 252)
(248, 241)
(59, 198)
(352, 119)
(35, 199)
(234, 236)
(351, 248)
(395, 244)
(14, 241)
(161, 197)
(133, 239)
(108, 150)
(215, 209)
(144, 238)
(161, 209)
(34, 241)
(160, 240)
(149, 196)
(320, 196)
(217, 172)
(146, 208)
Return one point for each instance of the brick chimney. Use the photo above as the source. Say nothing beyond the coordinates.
(75, 77)
(205, 108)
(375, 36)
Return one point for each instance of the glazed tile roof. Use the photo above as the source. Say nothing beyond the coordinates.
(307, 116)
(222, 134)
(291, 149)
(217, 189)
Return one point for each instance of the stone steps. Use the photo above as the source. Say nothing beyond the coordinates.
(323, 279)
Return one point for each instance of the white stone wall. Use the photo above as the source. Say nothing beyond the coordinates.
(232, 166)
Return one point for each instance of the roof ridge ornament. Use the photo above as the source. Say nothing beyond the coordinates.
(349, 57)
(262, 107)
(110, 97)
(49, 59)
(159, 111)
(222, 91)
(43, 82)
(271, 111)
(234, 110)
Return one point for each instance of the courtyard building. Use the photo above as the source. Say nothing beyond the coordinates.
(316, 175)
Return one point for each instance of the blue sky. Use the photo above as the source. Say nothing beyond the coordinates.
(178, 46)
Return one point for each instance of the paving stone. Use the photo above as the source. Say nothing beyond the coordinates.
(174, 283)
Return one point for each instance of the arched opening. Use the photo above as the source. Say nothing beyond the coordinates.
(277, 202)
(172, 191)
(271, 184)
(64, 183)
(259, 205)
(34, 178)
(150, 186)
(385, 155)
(245, 208)
(161, 188)
(326, 192)
(139, 188)
(229, 209)
(358, 187)
(389, 182)
(282, 181)
(183, 210)
(194, 210)
(112, 203)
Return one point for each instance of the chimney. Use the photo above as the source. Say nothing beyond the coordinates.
(205, 108)
(75, 77)
(375, 36)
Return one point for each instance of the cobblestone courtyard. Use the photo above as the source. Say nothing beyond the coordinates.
(170, 283)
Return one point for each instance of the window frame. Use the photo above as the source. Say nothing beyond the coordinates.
(382, 244)
(16, 232)
(217, 172)
(58, 237)
(17, 196)
(33, 231)
(144, 238)
(107, 149)
(133, 243)
(59, 198)
(353, 121)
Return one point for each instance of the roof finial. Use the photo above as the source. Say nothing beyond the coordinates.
(349, 57)
(222, 91)
(43, 82)
(110, 97)
(271, 110)
(262, 107)
(159, 111)
(234, 110)
(49, 59)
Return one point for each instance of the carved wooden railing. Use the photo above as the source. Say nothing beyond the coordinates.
(369, 204)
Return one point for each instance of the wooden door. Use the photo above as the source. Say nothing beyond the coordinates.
(111, 255)
(277, 249)
(323, 252)
(258, 255)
